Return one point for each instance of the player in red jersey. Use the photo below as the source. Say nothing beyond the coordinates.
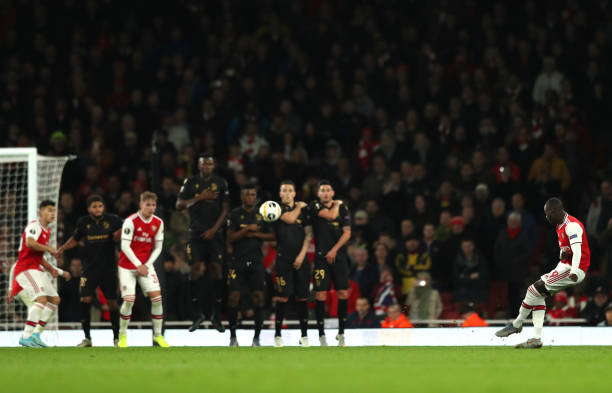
(29, 281)
(574, 262)
(142, 237)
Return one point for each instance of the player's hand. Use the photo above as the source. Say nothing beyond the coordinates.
(142, 270)
(54, 273)
(573, 277)
(208, 195)
(66, 276)
(52, 251)
(298, 262)
(301, 204)
(253, 227)
(9, 298)
(474, 275)
(338, 202)
(331, 256)
(59, 253)
(208, 234)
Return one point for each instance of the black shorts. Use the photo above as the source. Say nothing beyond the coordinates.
(246, 274)
(96, 276)
(289, 281)
(324, 273)
(205, 251)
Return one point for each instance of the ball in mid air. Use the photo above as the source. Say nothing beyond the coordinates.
(270, 211)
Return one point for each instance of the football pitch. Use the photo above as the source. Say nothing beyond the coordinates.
(334, 370)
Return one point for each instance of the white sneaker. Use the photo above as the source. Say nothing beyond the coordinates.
(322, 341)
(340, 338)
(86, 343)
(304, 342)
(278, 341)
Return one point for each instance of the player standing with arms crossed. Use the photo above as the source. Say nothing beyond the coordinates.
(207, 198)
(245, 236)
(30, 283)
(331, 223)
(99, 230)
(142, 238)
(575, 258)
(293, 236)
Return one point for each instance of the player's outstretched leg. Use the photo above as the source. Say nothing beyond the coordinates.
(157, 318)
(533, 301)
(34, 313)
(45, 315)
(125, 313)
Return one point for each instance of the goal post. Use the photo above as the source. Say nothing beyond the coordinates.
(26, 179)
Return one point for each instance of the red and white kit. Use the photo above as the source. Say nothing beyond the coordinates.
(29, 277)
(141, 243)
(572, 239)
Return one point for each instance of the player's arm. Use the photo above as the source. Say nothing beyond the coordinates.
(574, 234)
(32, 244)
(302, 254)
(157, 245)
(9, 291)
(345, 221)
(291, 216)
(331, 214)
(265, 236)
(127, 233)
(117, 224)
(222, 217)
(54, 270)
(235, 233)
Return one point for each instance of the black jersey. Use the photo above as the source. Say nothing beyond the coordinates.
(204, 214)
(327, 233)
(247, 247)
(290, 237)
(98, 238)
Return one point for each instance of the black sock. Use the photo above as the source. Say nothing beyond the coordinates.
(114, 319)
(86, 319)
(195, 294)
(342, 308)
(280, 314)
(302, 312)
(320, 314)
(218, 287)
(233, 320)
(258, 317)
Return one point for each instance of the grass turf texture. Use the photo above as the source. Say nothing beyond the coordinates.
(335, 370)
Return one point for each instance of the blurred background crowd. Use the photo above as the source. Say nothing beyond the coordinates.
(443, 125)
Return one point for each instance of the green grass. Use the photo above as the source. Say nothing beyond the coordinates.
(312, 370)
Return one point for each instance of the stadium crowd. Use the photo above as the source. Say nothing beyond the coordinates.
(444, 126)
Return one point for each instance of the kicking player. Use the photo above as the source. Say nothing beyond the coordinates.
(575, 258)
(293, 236)
(331, 223)
(207, 197)
(30, 283)
(99, 230)
(245, 236)
(142, 238)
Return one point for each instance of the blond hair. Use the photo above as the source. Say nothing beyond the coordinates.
(147, 196)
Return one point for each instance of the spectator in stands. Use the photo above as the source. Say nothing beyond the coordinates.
(549, 79)
(549, 169)
(528, 222)
(594, 310)
(561, 309)
(600, 211)
(410, 261)
(608, 320)
(396, 319)
(386, 293)
(470, 316)
(363, 317)
(423, 300)
(470, 274)
(70, 309)
(363, 273)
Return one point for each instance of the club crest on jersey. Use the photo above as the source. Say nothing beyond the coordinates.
(106, 224)
(213, 187)
(33, 231)
(139, 229)
(88, 226)
(258, 217)
(197, 186)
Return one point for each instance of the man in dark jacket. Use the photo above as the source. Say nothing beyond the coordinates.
(363, 318)
(510, 258)
(594, 312)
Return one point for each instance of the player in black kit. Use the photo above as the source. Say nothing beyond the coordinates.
(99, 231)
(331, 224)
(245, 236)
(207, 197)
(293, 236)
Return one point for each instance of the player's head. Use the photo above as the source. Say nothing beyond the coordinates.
(95, 205)
(248, 195)
(287, 192)
(47, 211)
(148, 203)
(325, 191)
(553, 209)
(206, 164)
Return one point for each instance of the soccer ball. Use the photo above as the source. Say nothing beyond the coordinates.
(270, 211)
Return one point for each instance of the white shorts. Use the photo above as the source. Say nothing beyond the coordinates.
(128, 278)
(558, 278)
(36, 283)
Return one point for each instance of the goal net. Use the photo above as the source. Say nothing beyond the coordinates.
(26, 179)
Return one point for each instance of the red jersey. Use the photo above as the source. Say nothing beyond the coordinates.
(28, 258)
(571, 231)
(142, 235)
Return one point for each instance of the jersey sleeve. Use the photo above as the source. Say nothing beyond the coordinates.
(127, 230)
(159, 236)
(573, 232)
(33, 230)
(344, 215)
(186, 191)
(314, 208)
(232, 222)
(224, 194)
(79, 231)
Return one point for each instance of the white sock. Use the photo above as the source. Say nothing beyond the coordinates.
(157, 315)
(33, 318)
(45, 316)
(538, 322)
(125, 313)
(532, 300)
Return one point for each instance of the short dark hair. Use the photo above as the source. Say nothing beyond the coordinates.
(248, 186)
(287, 182)
(324, 182)
(94, 198)
(45, 203)
(206, 155)
(554, 203)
